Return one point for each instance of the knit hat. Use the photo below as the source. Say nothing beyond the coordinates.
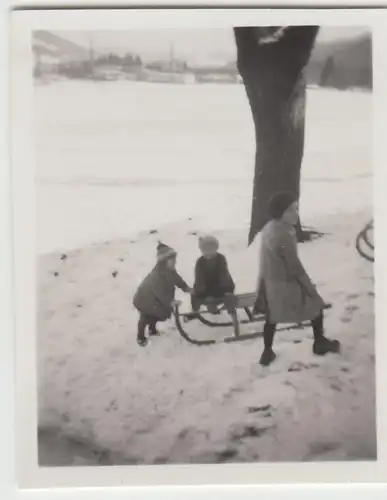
(279, 203)
(164, 252)
(208, 242)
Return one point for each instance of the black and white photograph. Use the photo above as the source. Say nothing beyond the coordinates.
(204, 244)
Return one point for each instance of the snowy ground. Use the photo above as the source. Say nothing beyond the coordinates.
(104, 152)
(173, 402)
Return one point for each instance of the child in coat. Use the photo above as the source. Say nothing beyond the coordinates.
(155, 296)
(213, 282)
(285, 292)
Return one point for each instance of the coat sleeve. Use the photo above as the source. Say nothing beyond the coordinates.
(288, 252)
(199, 285)
(180, 283)
(226, 280)
(158, 294)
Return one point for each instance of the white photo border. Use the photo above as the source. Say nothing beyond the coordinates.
(29, 474)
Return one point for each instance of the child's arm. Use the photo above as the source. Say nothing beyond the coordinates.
(226, 281)
(180, 283)
(199, 285)
(294, 266)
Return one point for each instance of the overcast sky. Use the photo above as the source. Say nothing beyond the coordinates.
(188, 43)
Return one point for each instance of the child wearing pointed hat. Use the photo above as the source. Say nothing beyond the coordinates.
(155, 296)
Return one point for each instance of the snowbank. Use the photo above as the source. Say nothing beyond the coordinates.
(174, 402)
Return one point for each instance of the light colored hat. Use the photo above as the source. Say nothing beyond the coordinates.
(164, 252)
(208, 242)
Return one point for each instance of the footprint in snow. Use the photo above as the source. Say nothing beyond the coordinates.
(249, 431)
(320, 448)
(225, 455)
(256, 409)
(297, 367)
(352, 308)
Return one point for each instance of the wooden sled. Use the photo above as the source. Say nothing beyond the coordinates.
(244, 301)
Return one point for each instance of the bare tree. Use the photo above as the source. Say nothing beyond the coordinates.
(271, 62)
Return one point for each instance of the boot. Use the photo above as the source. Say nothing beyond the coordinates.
(153, 331)
(142, 341)
(267, 357)
(322, 346)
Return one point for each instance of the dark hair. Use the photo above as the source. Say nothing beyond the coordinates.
(280, 202)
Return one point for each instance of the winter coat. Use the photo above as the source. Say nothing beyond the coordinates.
(285, 292)
(156, 293)
(212, 277)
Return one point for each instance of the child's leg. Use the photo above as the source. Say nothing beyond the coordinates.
(268, 354)
(229, 301)
(321, 344)
(235, 322)
(142, 324)
(196, 302)
(318, 325)
(268, 334)
(152, 322)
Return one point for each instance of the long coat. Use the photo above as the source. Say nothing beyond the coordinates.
(285, 292)
(156, 293)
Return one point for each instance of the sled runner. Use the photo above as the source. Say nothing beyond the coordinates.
(364, 242)
(244, 302)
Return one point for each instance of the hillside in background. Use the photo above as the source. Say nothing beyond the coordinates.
(340, 64)
(53, 48)
(343, 64)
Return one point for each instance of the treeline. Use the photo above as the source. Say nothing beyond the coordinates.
(111, 59)
(340, 65)
(85, 69)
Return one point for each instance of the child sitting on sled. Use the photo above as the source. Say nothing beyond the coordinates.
(155, 296)
(214, 285)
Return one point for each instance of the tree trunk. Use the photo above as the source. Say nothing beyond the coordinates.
(273, 75)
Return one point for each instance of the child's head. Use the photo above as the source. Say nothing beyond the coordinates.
(166, 255)
(284, 206)
(171, 262)
(209, 246)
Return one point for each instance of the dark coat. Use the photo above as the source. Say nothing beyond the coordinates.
(212, 277)
(285, 292)
(156, 293)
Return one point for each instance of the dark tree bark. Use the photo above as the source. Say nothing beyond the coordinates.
(271, 62)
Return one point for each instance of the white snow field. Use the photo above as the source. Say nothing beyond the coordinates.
(99, 149)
